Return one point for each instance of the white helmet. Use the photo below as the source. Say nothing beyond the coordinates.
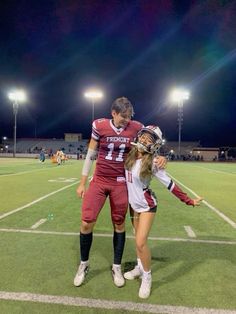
(156, 134)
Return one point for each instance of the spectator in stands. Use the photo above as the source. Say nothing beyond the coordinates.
(139, 171)
(112, 138)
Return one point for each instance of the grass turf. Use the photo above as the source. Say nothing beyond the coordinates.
(184, 273)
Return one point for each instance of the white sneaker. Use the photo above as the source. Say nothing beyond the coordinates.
(145, 288)
(133, 274)
(118, 278)
(81, 273)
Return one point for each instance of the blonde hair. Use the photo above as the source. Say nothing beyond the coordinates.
(146, 164)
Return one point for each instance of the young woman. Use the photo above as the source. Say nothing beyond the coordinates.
(143, 204)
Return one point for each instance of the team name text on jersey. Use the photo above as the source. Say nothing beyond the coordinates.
(118, 139)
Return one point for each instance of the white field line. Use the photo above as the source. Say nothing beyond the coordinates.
(37, 200)
(108, 305)
(38, 223)
(108, 235)
(217, 211)
(23, 172)
(213, 170)
(190, 232)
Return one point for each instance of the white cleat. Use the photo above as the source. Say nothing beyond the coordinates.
(133, 274)
(117, 276)
(81, 273)
(145, 288)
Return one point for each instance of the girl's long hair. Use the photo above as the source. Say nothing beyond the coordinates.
(146, 164)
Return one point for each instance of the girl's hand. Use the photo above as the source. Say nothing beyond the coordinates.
(197, 201)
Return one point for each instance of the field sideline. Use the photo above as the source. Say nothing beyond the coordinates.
(193, 249)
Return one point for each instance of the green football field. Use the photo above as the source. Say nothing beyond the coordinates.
(193, 249)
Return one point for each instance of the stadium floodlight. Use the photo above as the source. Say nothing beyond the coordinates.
(178, 96)
(16, 96)
(4, 139)
(93, 95)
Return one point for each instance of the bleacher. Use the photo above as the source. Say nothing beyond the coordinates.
(185, 149)
(26, 145)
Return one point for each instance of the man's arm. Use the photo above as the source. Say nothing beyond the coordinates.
(90, 157)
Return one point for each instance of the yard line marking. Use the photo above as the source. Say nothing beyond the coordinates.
(110, 305)
(37, 200)
(217, 211)
(190, 232)
(186, 240)
(213, 170)
(42, 232)
(108, 235)
(23, 172)
(38, 223)
(223, 216)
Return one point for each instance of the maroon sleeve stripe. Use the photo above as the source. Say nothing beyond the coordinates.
(182, 195)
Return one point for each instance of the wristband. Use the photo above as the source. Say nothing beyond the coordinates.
(90, 157)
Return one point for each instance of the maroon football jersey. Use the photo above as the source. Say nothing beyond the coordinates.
(114, 145)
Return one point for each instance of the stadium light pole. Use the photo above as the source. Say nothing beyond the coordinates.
(16, 96)
(93, 95)
(178, 96)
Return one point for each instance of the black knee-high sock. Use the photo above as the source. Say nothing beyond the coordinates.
(85, 245)
(118, 246)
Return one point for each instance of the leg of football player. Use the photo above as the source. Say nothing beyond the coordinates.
(86, 238)
(118, 244)
(93, 201)
(118, 203)
(118, 247)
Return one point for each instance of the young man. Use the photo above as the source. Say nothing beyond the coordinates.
(111, 139)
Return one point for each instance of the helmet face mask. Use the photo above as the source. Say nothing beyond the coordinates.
(149, 139)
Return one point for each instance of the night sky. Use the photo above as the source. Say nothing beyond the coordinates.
(138, 49)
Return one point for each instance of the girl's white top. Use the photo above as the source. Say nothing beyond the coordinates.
(141, 198)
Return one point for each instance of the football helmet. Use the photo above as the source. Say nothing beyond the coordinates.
(156, 136)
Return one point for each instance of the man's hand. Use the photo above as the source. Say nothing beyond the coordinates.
(81, 190)
(197, 201)
(160, 162)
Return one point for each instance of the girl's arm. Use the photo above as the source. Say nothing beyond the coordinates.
(162, 176)
(178, 192)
